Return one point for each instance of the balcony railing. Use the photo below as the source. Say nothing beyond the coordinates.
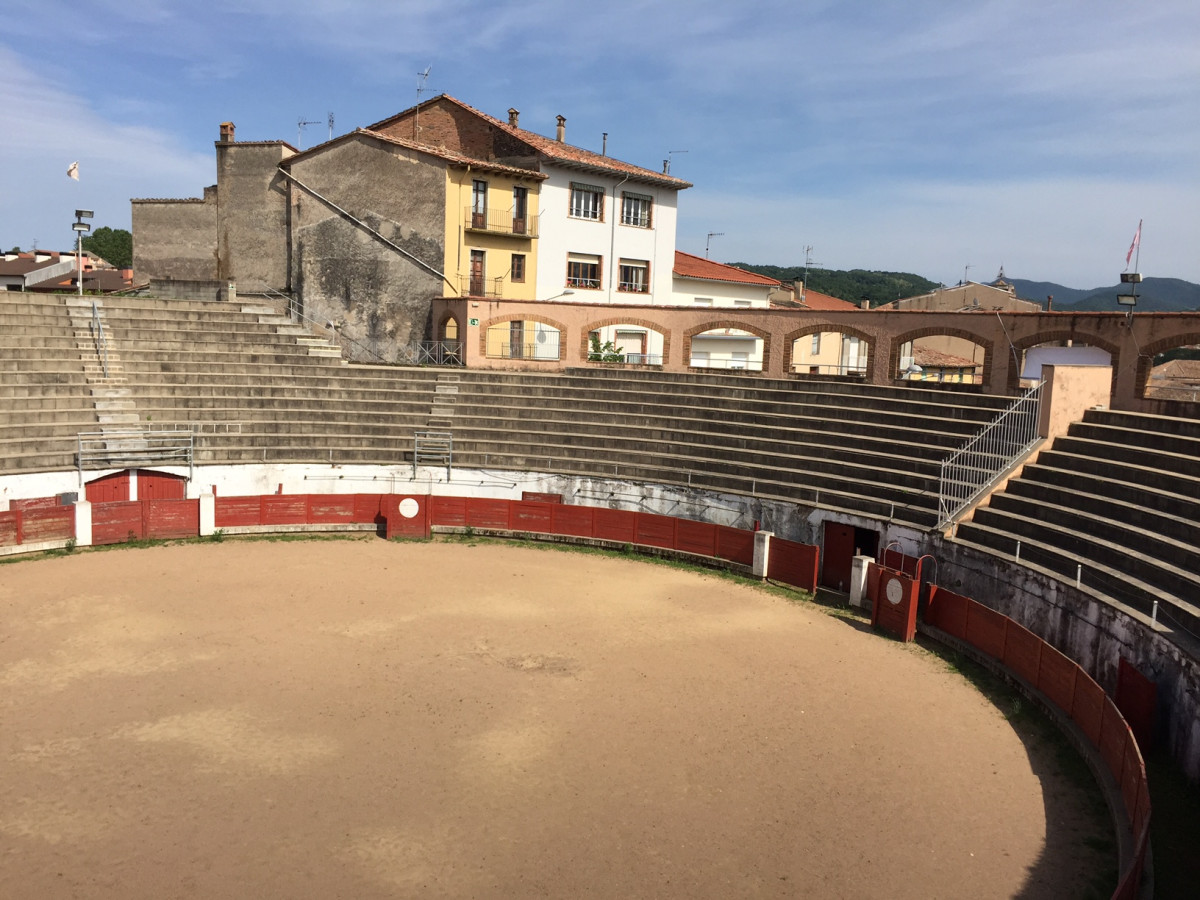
(503, 222)
(472, 286)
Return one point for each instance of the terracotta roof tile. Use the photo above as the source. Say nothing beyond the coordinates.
(563, 153)
(689, 266)
(817, 300)
(927, 358)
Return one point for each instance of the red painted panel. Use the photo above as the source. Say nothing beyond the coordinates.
(368, 508)
(109, 489)
(330, 509)
(160, 486)
(35, 503)
(538, 497)
(1023, 652)
(696, 537)
(894, 559)
(948, 611)
(985, 630)
(1056, 678)
(837, 547)
(615, 525)
(449, 511)
(1133, 776)
(1137, 699)
(1114, 738)
(1088, 709)
(895, 604)
(574, 520)
(793, 563)
(1141, 814)
(114, 523)
(655, 531)
(533, 515)
(235, 512)
(55, 523)
(284, 509)
(735, 544)
(407, 516)
(487, 513)
(172, 518)
(8, 527)
(874, 573)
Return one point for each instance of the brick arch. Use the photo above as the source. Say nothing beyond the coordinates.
(871, 340)
(656, 327)
(440, 334)
(728, 323)
(1145, 360)
(1045, 337)
(522, 317)
(965, 334)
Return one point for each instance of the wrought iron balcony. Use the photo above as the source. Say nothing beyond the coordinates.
(473, 286)
(503, 222)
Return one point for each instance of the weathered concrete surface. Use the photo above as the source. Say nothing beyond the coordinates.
(252, 194)
(175, 239)
(380, 298)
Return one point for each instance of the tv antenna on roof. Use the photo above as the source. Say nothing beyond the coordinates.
(300, 123)
(422, 80)
(711, 235)
(667, 161)
(331, 126)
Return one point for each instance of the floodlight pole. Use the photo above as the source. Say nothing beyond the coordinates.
(80, 227)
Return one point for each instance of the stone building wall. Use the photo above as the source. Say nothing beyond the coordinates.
(175, 238)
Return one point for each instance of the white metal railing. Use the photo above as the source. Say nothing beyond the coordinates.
(434, 448)
(120, 449)
(971, 470)
(99, 337)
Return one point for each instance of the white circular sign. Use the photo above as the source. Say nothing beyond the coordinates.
(409, 508)
(895, 591)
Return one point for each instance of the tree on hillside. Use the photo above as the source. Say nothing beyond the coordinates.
(853, 285)
(114, 245)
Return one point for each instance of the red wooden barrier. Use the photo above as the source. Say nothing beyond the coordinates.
(10, 528)
(169, 519)
(236, 512)
(696, 537)
(654, 531)
(117, 522)
(794, 563)
(735, 545)
(330, 509)
(284, 509)
(532, 515)
(406, 517)
(1088, 708)
(1056, 678)
(948, 611)
(985, 629)
(894, 602)
(1137, 699)
(615, 525)
(1023, 652)
(48, 523)
(578, 521)
(34, 503)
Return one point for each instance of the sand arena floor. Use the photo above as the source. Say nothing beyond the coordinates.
(362, 719)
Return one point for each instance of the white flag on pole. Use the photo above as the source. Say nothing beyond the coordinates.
(1137, 239)
(73, 170)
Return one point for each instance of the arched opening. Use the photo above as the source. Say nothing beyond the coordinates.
(831, 353)
(941, 358)
(449, 329)
(630, 343)
(727, 348)
(523, 339)
(1174, 374)
(1068, 352)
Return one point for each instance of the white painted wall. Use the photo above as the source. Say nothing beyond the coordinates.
(689, 291)
(609, 239)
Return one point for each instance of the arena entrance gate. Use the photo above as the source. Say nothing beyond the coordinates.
(840, 543)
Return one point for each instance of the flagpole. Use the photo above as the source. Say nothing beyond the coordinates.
(1138, 253)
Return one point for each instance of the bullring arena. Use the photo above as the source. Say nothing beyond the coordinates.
(363, 717)
(342, 719)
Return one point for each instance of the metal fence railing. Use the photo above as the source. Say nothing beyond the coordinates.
(99, 337)
(973, 468)
(134, 447)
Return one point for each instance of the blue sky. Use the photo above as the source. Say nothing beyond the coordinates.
(921, 136)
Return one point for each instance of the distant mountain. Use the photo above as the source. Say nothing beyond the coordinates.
(1154, 295)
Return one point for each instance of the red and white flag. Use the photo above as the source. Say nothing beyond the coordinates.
(73, 170)
(1137, 239)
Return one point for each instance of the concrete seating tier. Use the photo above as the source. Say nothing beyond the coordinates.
(1119, 496)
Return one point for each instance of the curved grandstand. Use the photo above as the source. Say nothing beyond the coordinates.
(1088, 544)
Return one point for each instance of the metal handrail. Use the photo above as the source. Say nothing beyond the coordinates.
(294, 313)
(99, 337)
(118, 449)
(969, 471)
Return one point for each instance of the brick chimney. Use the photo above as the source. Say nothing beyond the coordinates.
(513, 115)
(226, 132)
(561, 134)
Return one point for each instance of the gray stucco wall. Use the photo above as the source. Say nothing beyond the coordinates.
(175, 238)
(252, 195)
(341, 271)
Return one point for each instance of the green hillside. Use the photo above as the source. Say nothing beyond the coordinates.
(852, 285)
(1155, 295)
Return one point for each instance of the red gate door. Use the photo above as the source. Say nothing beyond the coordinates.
(837, 552)
(407, 516)
(160, 486)
(108, 489)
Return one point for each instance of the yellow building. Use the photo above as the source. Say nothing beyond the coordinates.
(492, 231)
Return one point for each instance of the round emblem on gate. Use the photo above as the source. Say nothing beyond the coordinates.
(895, 591)
(409, 508)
